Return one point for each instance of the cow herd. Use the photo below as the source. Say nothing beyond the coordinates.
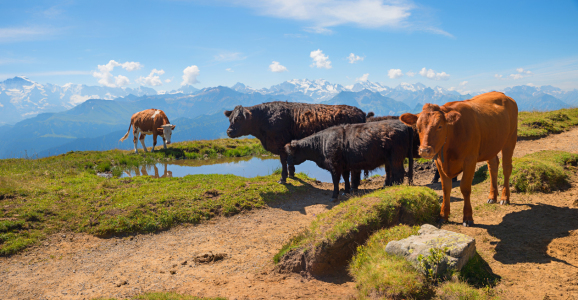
(345, 141)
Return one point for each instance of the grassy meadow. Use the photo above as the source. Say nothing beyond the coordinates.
(534, 125)
(39, 197)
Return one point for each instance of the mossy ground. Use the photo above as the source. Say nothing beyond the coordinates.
(377, 209)
(533, 125)
(62, 193)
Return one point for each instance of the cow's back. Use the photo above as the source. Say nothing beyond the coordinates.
(308, 119)
(487, 122)
(149, 119)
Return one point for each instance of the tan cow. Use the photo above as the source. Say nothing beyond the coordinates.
(150, 121)
(459, 134)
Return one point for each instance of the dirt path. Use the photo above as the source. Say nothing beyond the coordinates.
(532, 244)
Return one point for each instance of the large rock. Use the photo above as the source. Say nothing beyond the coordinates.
(458, 248)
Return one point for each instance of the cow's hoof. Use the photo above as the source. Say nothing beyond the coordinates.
(292, 176)
(469, 223)
(282, 181)
(434, 181)
(504, 202)
(491, 201)
(333, 199)
(441, 221)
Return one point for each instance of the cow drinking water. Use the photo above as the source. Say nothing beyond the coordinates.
(277, 123)
(355, 147)
(459, 134)
(147, 122)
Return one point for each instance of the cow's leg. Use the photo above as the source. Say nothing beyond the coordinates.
(507, 153)
(135, 133)
(346, 180)
(154, 142)
(447, 190)
(335, 176)
(291, 171)
(493, 165)
(466, 188)
(283, 158)
(142, 137)
(164, 143)
(387, 175)
(355, 179)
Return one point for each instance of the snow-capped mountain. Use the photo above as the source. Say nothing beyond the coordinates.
(368, 85)
(319, 90)
(21, 97)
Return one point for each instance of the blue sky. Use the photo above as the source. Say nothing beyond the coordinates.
(464, 45)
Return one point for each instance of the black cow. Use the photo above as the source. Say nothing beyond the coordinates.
(355, 147)
(277, 123)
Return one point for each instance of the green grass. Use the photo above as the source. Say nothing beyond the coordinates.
(215, 148)
(379, 275)
(62, 193)
(543, 171)
(533, 125)
(165, 296)
(379, 209)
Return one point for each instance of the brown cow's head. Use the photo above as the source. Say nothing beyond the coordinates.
(294, 156)
(432, 126)
(166, 131)
(240, 121)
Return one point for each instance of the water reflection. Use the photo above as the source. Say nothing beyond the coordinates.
(243, 166)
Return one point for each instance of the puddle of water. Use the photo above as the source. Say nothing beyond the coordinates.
(243, 166)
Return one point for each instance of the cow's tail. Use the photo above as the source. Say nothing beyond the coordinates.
(127, 133)
(410, 157)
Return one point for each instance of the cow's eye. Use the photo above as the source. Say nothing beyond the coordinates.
(440, 127)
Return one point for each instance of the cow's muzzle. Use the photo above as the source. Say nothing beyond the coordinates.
(168, 142)
(426, 152)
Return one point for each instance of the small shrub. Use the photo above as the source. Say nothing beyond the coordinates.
(430, 264)
(104, 166)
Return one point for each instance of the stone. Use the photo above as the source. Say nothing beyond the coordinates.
(459, 248)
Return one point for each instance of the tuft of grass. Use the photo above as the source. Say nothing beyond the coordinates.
(543, 171)
(379, 275)
(62, 193)
(534, 125)
(456, 290)
(377, 209)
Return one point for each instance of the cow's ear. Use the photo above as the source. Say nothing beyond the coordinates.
(246, 113)
(288, 149)
(408, 119)
(174, 127)
(452, 117)
(228, 113)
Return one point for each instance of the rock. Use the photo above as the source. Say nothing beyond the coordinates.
(575, 203)
(459, 248)
(209, 257)
(121, 282)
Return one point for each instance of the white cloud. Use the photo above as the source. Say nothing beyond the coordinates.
(410, 74)
(498, 76)
(354, 58)
(121, 80)
(320, 60)
(190, 75)
(8, 35)
(229, 70)
(152, 79)
(431, 74)
(322, 14)
(394, 73)
(463, 83)
(452, 89)
(362, 78)
(521, 74)
(516, 76)
(168, 80)
(230, 56)
(275, 67)
(106, 78)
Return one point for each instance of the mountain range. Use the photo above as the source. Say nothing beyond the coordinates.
(49, 119)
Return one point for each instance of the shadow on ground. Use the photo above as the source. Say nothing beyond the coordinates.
(525, 235)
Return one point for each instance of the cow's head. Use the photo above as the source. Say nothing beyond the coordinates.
(294, 155)
(240, 121)
(167, 131)
(432, 126)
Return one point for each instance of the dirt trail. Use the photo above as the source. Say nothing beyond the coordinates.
(532, 244)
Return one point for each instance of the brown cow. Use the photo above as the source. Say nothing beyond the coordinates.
(150, 121)
(460, 134)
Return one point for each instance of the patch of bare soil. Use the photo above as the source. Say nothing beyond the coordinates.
(532, 245)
